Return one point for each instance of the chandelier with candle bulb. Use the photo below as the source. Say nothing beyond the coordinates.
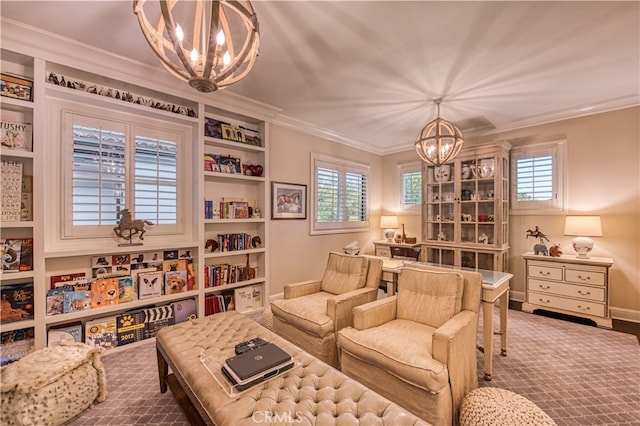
(210, 44)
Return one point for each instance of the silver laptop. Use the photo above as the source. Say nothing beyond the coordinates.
(256, 365)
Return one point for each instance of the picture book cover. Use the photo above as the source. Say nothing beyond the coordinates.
(71, 332)
(55, 302)
(73, 301)
(101, 332)
(127, 289)
(15, 344)
(26, 254)
(11, 194)
(175, 282)
(11, 249)
(16, 302)
(185, 310)
(14, 134)
(105, 292)
(74, 279)
(150, 284)
(130, 327)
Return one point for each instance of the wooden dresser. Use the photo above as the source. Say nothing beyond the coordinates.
(569, 285)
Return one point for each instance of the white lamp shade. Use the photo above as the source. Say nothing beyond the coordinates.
(583, 226)
(388, 222)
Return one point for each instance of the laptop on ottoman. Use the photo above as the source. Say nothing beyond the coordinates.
(256, 365)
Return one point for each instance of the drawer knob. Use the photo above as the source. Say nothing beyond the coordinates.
(544, 301)
(586, 308)
(545, 273)
(587, 278)
(584, 293)
(544, 287)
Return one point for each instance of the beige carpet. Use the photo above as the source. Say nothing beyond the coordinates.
(578, 374)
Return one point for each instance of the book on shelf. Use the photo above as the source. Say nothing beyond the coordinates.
(217, 303)
(150, 284)
(11, 251)
(11, 196)
(101, 332)
(130, 327)
(16, 302)
(248, 298)
(15, 135)
(105, 292)
(185, 310)
(156, 318)
(73, 300)
(127, 290)
(26, 254)
(15, 86)
(73, 279)
(69, 332)
(16, 344)
(175, 281)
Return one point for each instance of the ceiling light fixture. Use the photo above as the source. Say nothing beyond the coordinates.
(439, 141)
(210, 44)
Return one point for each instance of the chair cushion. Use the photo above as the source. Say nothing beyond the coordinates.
(428, 297)
(308, 313)
(401, 347)
(344, 273)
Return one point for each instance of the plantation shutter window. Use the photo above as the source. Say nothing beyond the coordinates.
(340, 195)
(537, 178)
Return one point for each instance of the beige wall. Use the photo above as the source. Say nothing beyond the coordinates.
(295, 255)
(603, 162)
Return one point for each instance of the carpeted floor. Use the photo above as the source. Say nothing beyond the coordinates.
(578, 374)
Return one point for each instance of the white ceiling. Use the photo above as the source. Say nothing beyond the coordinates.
(367, 72)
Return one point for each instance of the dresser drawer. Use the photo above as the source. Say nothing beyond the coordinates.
(383, 251)
(547, 272)
(557, 302)
(595, 294)
(584, 277)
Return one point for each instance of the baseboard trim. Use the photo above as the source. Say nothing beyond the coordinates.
(623, 314)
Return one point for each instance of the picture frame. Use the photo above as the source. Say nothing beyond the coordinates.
(15, 86)
(232, 133)
(288, 200)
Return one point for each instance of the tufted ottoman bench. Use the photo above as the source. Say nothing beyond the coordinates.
(52, 385)
(312, 393)
(499, 407)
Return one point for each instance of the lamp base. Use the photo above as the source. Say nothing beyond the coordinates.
(389, 234)
(582, 246)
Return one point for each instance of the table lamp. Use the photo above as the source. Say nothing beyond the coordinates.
(389, 223)
(583, 227)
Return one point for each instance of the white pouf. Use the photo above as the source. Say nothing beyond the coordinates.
(500, 407)
(52, 385)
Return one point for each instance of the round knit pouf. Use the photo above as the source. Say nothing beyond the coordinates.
(267, 318)
(500, 407)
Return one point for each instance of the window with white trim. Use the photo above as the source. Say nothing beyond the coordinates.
(340, 195)
(537, 179)
(410, 185)
(113, 162)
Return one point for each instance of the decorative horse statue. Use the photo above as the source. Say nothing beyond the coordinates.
(134, 226)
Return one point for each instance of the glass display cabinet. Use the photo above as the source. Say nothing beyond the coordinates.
(465, 216)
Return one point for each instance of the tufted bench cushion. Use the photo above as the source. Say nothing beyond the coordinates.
(312, 393)
(499, 407)
(52, 385)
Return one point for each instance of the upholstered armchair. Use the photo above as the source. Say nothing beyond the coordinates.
(418, 347)
(312, 312)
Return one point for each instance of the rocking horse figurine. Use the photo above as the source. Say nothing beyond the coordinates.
(133, 226)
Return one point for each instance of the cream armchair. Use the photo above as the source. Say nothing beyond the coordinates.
(418, 348)
(312, 312)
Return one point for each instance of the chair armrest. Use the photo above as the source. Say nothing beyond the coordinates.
(291, 291)
(340, 307)
(454, 344)
(374, 313)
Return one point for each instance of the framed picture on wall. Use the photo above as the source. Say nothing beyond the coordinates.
(288, 201)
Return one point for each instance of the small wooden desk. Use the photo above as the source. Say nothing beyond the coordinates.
(495, 287)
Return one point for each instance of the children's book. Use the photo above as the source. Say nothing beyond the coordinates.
(16, 302)
(26, 254)
(15, 344)
(101, 332)
(150, 284)
(105, 292)
(73, 301)
(74, 279)
(11, 249)
(127, 289)
(71, 332)
(15, 135)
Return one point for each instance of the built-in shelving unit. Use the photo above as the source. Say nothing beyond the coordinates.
(53, 256)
